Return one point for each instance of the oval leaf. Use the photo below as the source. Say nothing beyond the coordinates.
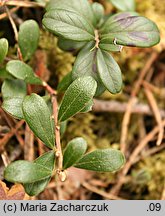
(3, 48)
(104, 160)
(65, 82)
(22, 71)
(4, 74)
(98, 11)
(26, 172)
(38, 117)
(68, 24)
(13, 92)
(79, 93)
(130, 30)
(124, 5)
(82, 7)
(109, 72)
(88, 107)
(70, 45)
(75, 149)
(37, 187)
(85, 65)
(28, 38)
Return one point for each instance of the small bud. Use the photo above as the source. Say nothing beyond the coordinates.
(62, 175)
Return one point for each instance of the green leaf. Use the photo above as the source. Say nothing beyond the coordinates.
(28, 38)
(75, 149)
(124, 5)
(22, 71)
(63, 127)
(38, 117)
(70, 45)
(98, 11)
(82, 7)
(4, 74)
(68, 24)
(77, 96)
(104, 160)
(47, 159)
(109, 72)
(85, 65)
(22, 171)
(104, 45)
(65, 82)
(88, 107)
(13, 92)
(130, 30)
(37, 187)
(3, 48)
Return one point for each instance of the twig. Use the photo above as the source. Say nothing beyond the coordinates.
(5, 158)
(49, 88)
(59, 154)
(29, 144)
(115, 190)
(119, 107)
(156, 112)
(23, 3)
(152, 151)
(127, 115)
(8, 136)
(100, 192)
(8, 120)
(15, 32)
(2, 16)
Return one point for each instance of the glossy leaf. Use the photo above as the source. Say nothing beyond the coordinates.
(75, 149)
(26, 172)
(82, 7)
(65, 82)
(28, 38)
(68, 24)
(124, 5)
(122, 29)
(38, 117)
(22, 71)
(85, 65)
(63, 127)
(79, 93)
(13, 92)
(105, 45)
(109, 72)
(3, 49)
(4, 74)
(70, 45)
(37, 187)
(103, 160)
(88, 107)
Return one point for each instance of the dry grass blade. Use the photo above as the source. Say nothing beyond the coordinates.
(156, 112)
(23, 3)
(100, 192)
(9, 135)
(115, 190)
(127, 115)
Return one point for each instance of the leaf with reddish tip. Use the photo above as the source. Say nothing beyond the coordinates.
(130, 30)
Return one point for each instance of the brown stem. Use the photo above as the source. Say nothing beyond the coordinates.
(57, 135)
(97, 38)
